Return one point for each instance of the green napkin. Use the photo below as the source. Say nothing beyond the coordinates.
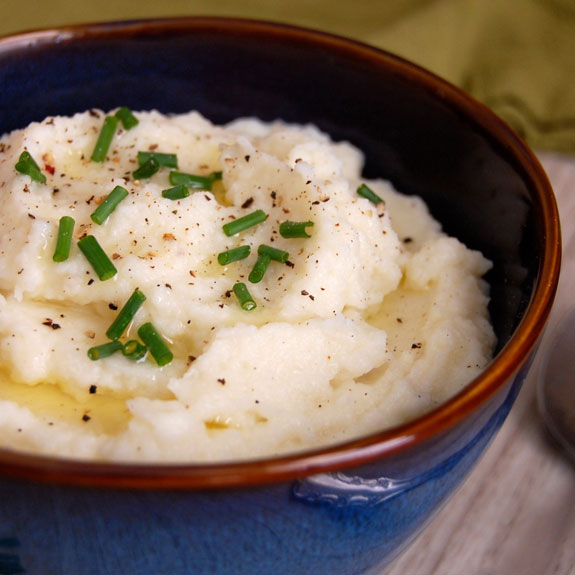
(516, 56)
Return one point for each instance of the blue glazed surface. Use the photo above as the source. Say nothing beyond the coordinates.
(48, 529)
(350, 522)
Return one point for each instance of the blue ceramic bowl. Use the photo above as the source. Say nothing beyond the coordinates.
(349, 508)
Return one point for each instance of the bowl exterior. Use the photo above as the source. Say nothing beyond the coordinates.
(428, 139)
(341, 523)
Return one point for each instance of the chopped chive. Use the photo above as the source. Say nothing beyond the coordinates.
(27, 165)
(134, 349)
(164, 160)
(274, 253)
(295, 229)
(244, 298)
(104, 139)
(126, 314)
(366, 192)
(233, 255)
(146, 170)
(193, 181)
(64, 240)
(127, 118)
(241, 224)
(259, 269)
(104, 350)
(178, 192)
(97, 257)
(101, 213)
(156, 344)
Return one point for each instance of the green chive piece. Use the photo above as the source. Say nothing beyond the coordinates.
(104, 139)
(178, 192)
(366, 192)
(156, 344)
(27, 165)
(233, 255)
(193, 181)
(127, 118)
(101, 213)
(97, 257)
(274, 253)
(295, 229)
(245, 300)
(104, 350)
(241, 224)
(259, 269)
(64, 240)
(164, 160)
(146, 170)
(126, 314)
(134, 349)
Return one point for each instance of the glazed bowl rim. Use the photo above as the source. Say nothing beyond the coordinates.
(355, 452)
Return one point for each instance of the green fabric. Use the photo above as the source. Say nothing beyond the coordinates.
(516, 56)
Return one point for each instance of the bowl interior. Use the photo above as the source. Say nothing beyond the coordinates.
(427, 137)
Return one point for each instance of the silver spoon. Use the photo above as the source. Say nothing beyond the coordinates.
(556, 388)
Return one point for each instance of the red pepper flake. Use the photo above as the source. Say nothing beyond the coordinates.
(50, 169)
(170, 237)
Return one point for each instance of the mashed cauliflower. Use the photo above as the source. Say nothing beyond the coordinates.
(375, 318)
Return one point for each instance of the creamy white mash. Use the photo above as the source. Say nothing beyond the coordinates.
(375, 318)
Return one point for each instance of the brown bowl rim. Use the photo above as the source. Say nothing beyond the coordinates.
(351, 453)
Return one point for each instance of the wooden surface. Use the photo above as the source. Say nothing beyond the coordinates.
(515, 515)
